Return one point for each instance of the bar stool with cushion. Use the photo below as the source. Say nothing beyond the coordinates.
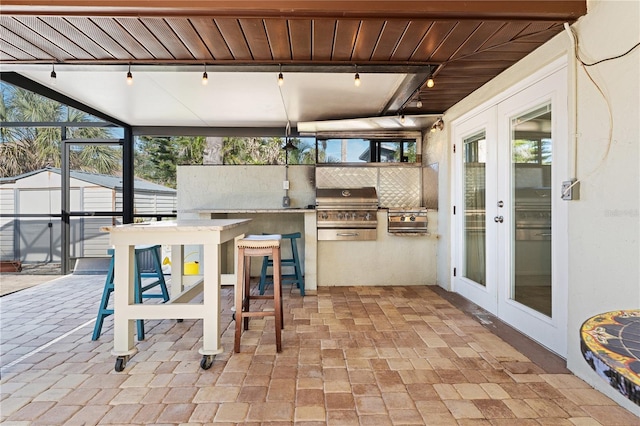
(140, 286)
(294, 262)
(257, 246)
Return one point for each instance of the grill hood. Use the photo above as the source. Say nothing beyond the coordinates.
(345, 198)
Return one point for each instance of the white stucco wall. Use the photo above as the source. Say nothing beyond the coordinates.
(242, 187)
(604, 230)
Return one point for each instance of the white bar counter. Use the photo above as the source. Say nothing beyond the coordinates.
(210, 233)
(278, 221)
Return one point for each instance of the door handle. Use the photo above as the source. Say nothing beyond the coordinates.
(498, 219)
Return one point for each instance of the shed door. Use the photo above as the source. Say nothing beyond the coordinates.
(39, 238)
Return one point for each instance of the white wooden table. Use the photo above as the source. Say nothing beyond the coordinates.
(208, 233)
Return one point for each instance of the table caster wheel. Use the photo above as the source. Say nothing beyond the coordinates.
(233, 316)
(179, 320)
(206, 362)
(121, 362)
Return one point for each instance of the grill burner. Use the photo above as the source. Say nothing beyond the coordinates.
(407, 221)
(347, 213)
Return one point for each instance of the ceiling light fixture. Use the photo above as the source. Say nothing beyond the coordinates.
(280, 77)
(430, 82)
(288, 146)
(402, 118)
(419, 103)
(356, 80)
(53, 74)
(205, 76)
(438, 125)
(129, 76)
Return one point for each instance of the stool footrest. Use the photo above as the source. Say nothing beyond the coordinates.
(258, 314)
(260, 297)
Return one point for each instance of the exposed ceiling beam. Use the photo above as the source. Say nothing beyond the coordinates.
(447, 9)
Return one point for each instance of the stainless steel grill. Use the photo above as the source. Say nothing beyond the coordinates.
(533, 214)
(407, 221)
(347, 213)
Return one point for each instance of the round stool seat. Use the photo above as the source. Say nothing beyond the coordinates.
(260, 241)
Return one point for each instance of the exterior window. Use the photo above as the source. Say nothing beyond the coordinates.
(355, 150)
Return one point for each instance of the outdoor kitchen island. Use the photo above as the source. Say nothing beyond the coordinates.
(390, 259)
(256, 192)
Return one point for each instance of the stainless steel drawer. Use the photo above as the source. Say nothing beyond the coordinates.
(347, 234)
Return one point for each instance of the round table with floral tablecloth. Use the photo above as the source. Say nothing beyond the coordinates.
(610, 343)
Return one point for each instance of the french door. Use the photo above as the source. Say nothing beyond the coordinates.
(510, 221)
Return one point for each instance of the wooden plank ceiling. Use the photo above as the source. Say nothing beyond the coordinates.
(467, 43)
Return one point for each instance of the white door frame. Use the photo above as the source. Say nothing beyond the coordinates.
(551, 332)
(483, 295)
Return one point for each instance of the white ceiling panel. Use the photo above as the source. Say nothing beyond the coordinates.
(177, 97)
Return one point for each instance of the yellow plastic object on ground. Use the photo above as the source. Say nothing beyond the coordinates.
(190, 268)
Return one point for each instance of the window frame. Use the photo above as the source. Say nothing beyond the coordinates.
(375, 139)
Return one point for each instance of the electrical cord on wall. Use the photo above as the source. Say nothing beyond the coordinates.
(576, 49)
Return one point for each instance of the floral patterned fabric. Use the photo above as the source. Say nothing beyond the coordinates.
(610, 343)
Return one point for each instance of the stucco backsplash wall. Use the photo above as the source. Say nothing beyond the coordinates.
(244, 187)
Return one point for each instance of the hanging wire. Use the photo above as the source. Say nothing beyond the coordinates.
(604, 97)
(605, 59)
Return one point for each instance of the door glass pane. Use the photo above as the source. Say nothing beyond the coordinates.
(475, 158)
(531, 159)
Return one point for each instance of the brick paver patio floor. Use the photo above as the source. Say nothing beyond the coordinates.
(351, 356)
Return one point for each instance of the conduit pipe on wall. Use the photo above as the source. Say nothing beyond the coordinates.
(573, 172)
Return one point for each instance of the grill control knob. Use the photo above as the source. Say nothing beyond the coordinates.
(353, 216)
(339, 215)
(324, 216)
(367, 216)
(412, 218)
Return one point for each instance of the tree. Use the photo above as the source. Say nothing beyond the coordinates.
(156, 158)
(305, 152)
(24, 149)
(253, 150)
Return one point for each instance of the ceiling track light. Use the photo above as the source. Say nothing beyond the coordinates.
(53, 74)
(205, 76)
(356, 79)
(280, 77)
(437, 126)
(419, 103)
(402, 119)
(129, 76)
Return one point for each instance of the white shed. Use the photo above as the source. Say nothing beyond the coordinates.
(36, 238)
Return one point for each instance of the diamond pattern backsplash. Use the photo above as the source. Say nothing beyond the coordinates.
(346, 177)
(400, 187)
(397, 186)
